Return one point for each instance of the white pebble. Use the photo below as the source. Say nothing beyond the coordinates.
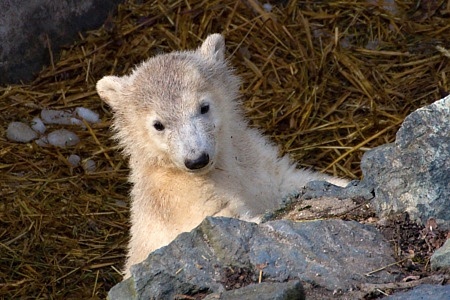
(267, 7)
(87, 114)
(51, 116)
(63, 138)
(89, 165)
(75, 121)
(20, 132)
(74, 160)
(37, 125)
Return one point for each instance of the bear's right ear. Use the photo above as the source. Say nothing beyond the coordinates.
(213, 47)
(109, 89)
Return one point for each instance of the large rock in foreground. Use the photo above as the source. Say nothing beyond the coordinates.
(413, 174)
(224, 253)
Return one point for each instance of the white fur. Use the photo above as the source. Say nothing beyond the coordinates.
(244, 177)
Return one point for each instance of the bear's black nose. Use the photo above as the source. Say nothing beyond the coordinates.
(197, 163)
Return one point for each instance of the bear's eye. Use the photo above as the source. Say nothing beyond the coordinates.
(158, 126)
(204, 108)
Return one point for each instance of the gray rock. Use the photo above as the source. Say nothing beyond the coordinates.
(292, 290)
(325, 193)
(63, 138)
(89, 165)
(318, 189)
(37, 125)
(74, 160)
(441, 257)
(332, 254)
(28, 27)
(62, 117)
(87, 114)
(20, 132)
(424, 292)
(327, 253)
(413, 174)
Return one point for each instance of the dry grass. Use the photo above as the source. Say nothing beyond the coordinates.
(326, 80)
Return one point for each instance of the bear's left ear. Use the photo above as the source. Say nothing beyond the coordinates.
(213, 47)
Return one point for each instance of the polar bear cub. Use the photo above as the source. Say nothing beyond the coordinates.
(191, 151)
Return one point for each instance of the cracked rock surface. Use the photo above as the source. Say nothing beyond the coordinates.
(413, 174)
(332, 254)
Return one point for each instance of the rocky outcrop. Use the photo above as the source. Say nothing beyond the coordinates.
(413, 174)
(332, 254)
(291, 290)
(28, 28)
